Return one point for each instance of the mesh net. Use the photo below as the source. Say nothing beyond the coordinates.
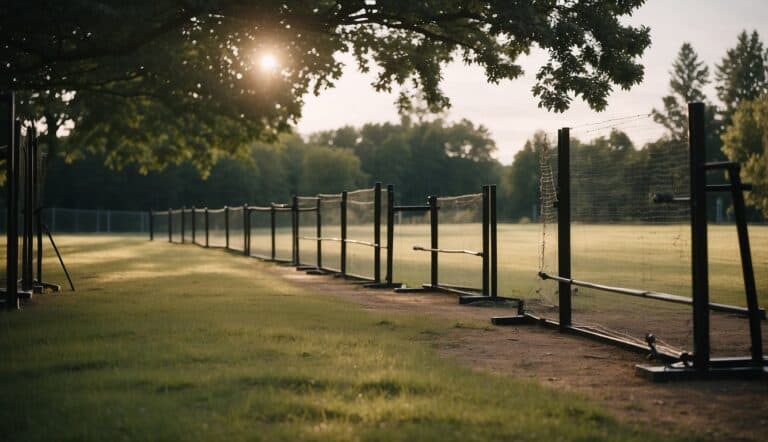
(159, 224)
(261, 232)
(176, 220)
(217, 228)
(308, 234)
(237, 228)
(330, 218)
(460, 227)
(199, 227)
(411, 267)
(187, 215)
(360, 230)
(284, 234)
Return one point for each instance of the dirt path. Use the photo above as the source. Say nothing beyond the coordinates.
(723, 410)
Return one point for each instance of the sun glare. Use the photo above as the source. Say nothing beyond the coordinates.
(268, 62)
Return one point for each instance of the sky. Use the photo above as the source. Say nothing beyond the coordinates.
(510, 111)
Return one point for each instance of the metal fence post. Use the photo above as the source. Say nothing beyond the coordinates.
(564, 224)
(246, 230)
(207, 230)
(194, 227)
(170, 225)
(494, 242)
(151, 226)
(343, 232)
(226, 227)
(699, 270)
(486, 241)
(390, 231)
(377, 232)
(295, 229)
(183, 226)
(272, 229)
(433, 239)
(319, 227)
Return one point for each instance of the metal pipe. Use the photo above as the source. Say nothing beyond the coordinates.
(343, 232)
(377, 232)
(390, 231)
(494, 256)
(433, 239)
(486, 242)
(564, 223)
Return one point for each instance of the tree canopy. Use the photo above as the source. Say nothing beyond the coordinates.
(153, 82)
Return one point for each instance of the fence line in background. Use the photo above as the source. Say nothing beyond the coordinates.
(67, 220)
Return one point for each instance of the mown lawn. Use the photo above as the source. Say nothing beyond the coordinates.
(170, 342)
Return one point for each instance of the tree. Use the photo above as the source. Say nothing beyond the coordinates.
(330, 170)
(742, 74)
(164, 81)
(689, 75)
(746, 141)
(521, 179)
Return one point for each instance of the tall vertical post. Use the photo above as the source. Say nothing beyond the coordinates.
(564, 224)
(700, 270)
(37, 210)
(433, 239)
(295, 229)
(193, 224)
(377, 232)
(183, 223)
(26, 274)
(170, 225)
(226, 227)
(319, 231)
(151, 225)
(246, 230)
(206, 221)
(343, 232)
(493, 246)
(750, 290)
(272, 229)
(7, 125)
(390, 231)
(486, 241)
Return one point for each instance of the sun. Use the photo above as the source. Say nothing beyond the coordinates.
(268, 62)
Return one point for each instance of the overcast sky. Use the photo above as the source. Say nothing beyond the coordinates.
(510, 111)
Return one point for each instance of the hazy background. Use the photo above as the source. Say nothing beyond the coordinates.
(509, 109)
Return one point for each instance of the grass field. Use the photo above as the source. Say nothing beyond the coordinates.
(168, 342)
(655, 257)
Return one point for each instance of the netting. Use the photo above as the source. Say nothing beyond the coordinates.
(199, 230)
(187, 215)
(410, 267)
(361, 242)
(307, 219)
(261, 232)
(217, 228)
(460, 229)
(159, 225)
(237, 228)
(330, 219)
(176, 226)
(283, 234)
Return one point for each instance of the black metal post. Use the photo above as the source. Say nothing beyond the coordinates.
(390, 231)
(377, 232)
(343, 232)
(170, 225)
(486, 241)
(699, 253)
(246, 231)
(564, 224)
(183, 224)
(194, 229)
(26, 273)
(272, 229)
(207, 230)
(11, 187)
(151, 225)
(319, 228)
(226, 227)
(433, 236)
(37, 210)
(739, 210)
(295, 229)
(494, 242)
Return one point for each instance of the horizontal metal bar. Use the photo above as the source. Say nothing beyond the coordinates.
(429, 249)
(259, 209)
(348, 241)
(410, 208)
(649, 294)
(720, 165)
(726, 187)
(307, 209)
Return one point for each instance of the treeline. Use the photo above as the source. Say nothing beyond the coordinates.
(419, 158)
(436, 157)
